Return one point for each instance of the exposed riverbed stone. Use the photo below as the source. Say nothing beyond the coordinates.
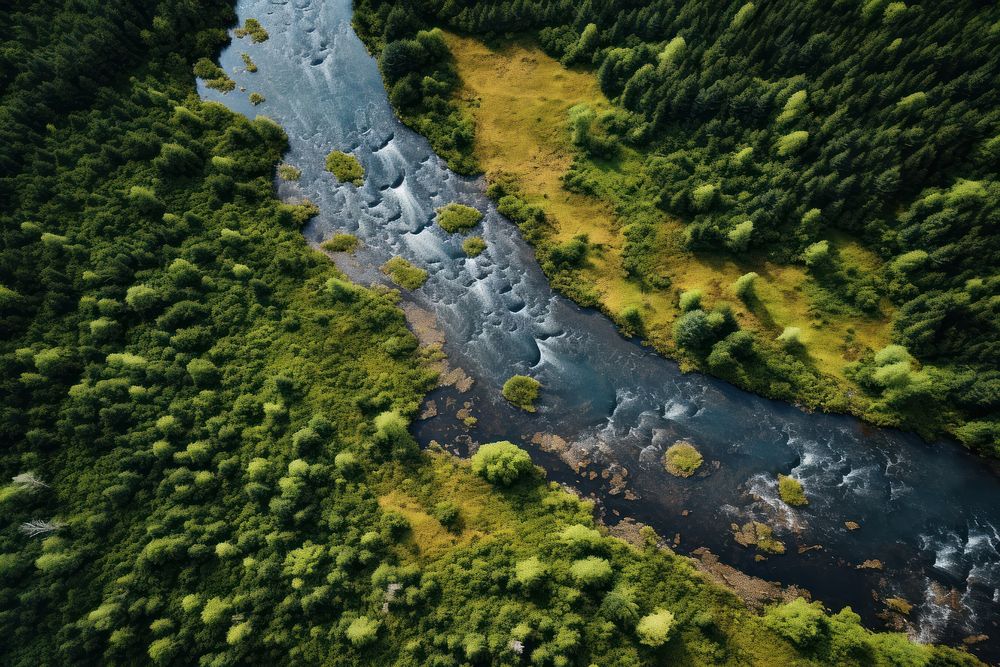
(852, 525)
(756, 592)
(430, 409)
(871, 564)
(759, 535)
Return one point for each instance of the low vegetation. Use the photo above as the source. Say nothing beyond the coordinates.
(458, 217)
(522, 391)
(474, 246)
(256, 99)
(205, 424)
(252, 28)
(249, 63)
(287, 172)
(404, 274)
(346, 168)
(341, 243)
(682, 459)
(642, 164)
(792, 491)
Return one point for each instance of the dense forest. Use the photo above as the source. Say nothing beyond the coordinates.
(771, 130)
(205, 450)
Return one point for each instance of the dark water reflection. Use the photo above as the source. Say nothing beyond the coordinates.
(929, 512)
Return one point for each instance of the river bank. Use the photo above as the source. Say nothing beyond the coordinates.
(928, 511)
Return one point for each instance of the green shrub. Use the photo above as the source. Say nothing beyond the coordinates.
(345, 168)
(341, 243)
(591, 571)
(791, 491)
(502, 463)
(404, 274)
(253, 28)
(690, 300)
(457, 217)
(474, 246)
(682, 459)
(522, 391)
(655, 629)
(800, 622)
(362, 631)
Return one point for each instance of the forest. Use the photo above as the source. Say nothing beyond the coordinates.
(852, 143)
(205, 457)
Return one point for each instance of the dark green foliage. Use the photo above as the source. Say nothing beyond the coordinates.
(769, 128)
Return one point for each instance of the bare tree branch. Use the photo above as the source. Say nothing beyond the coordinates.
(37, 527)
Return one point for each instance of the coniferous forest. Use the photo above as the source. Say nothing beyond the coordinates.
(770, 130)
(203, 439)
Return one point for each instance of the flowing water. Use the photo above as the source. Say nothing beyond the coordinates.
(929, 512)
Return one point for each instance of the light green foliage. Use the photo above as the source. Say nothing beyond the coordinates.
(404, 274)
(682, 459)
(239, 633)
(249, 63)
(502, 463)
(288, 172)
(458, 217)
(580, 537)
(790, 337)
(530, 572)
(522, 391)
(912, 101)
(341, 243)
(215, 611)
(362, 631)
(742, 15)
(213, 75)
(743, 287)
(817, 255)
(591, 571)
(798, 621)
(346, 168)
(655, 629)
(792, 143)
(794, 107)
(791, 491)
(738, 238)
(690, 300)
(474, 246)
(254, 29)
(704, 196)
(672, 52)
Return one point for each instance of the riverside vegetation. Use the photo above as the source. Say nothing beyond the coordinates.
(815, 173)
(205, 424)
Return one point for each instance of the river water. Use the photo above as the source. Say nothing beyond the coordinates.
(929, 512)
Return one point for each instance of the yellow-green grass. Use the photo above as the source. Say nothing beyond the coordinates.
(404, 274)
(520, 99)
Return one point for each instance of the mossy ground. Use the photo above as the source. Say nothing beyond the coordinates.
(404, 274)
(520, 98)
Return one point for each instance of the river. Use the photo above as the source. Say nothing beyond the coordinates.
(929, 512)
